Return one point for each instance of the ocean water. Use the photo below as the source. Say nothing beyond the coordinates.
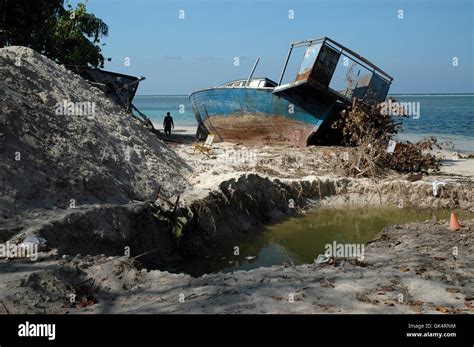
(449, 117)
(156, 106)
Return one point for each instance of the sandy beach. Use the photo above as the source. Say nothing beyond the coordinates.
(86, 192)
(185, 133)
(221, 167)
(407, 269)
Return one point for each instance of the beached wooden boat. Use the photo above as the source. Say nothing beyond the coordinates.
(259, 110)
(119, 87)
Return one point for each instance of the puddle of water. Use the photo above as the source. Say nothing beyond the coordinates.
(301, 239)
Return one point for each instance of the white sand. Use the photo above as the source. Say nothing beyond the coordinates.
(409, 269)
(70, 157)
(178, 129)
(102, 157)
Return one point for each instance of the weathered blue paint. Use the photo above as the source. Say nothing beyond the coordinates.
(240, 101)
(291, 113)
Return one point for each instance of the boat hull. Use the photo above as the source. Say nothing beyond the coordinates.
(119, 87)
(255, 128)
(257, 115)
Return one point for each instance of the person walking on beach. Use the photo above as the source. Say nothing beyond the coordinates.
(168, 123)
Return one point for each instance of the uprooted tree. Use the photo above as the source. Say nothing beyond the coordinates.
(369, 129)
(68, 36)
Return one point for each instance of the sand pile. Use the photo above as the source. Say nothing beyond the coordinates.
(64, 143)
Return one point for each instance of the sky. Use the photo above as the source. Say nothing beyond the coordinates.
(427, 46)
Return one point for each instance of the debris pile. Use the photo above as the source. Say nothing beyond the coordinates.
(371, 132)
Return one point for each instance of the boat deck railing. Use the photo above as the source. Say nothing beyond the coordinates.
(345, 52)
(333, 70)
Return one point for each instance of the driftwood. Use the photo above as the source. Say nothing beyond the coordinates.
(368, 131)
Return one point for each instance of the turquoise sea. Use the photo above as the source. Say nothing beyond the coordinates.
(156, 106)
(449, 117)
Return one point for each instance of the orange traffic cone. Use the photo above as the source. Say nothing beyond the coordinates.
(454, 223)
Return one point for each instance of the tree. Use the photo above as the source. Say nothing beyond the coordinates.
(68, 36)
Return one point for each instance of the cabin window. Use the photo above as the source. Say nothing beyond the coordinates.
(309, 58)
(350, 78)
(255, 83)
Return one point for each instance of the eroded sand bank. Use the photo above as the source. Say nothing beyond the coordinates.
(418, 267)
(409, 268)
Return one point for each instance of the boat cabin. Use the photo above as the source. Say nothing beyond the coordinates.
(330, 68)
(252, 83)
